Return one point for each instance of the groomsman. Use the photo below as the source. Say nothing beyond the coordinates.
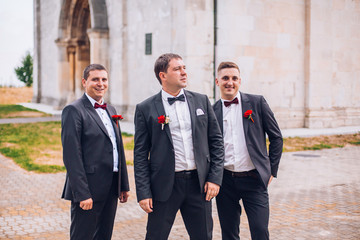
(178, 154)
(94, 158)
(249, 168)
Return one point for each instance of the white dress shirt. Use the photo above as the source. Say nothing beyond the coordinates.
(237, 158)
(181, 134)
(104, 116)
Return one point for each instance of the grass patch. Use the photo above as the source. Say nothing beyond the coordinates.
(125, 134)
(16, 111)
(318, 147)
(293, 144)
(37, 146)
(25, 143)
(129, 145)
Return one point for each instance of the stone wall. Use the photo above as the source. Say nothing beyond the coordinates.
(302, 55)
(176, 26)
(51, 85)
(266, 39)
(334, 64)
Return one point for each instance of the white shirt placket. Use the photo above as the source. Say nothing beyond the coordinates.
(181, 118)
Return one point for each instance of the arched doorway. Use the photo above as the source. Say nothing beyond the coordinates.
(83, 39)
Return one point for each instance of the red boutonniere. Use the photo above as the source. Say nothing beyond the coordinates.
(247, 115)
(163, 120)
(116, 118)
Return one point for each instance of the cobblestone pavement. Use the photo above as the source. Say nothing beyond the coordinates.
(316, 196)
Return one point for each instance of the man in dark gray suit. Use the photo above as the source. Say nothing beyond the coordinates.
(244, 120)
(94, 158)
(178, 154)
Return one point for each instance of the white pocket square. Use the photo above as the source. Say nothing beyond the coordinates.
(199, 112)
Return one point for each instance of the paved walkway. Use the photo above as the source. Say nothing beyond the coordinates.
(29, 120)
(316, 196)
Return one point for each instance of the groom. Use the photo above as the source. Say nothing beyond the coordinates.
(178, 154)
(244, 120)
(94, 158)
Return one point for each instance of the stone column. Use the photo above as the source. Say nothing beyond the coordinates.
(99, 42)
(71, 50)
(37, 53)
(64, 73)
(99, 49)
(82, 61)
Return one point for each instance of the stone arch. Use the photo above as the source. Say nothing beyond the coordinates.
(99, 15)
(82, 39)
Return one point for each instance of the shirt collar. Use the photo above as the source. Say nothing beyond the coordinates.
(237, 96)
(166, 95)
(93, 100)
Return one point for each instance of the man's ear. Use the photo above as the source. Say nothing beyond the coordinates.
(162, 76)
(83, 82)
(216, 81)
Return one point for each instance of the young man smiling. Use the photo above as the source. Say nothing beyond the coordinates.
(94, 158)
(248, 168)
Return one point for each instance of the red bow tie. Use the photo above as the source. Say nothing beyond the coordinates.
(234, 101)
(100, 106)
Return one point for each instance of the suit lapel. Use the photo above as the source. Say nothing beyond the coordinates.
(218, 109)
(92, 112)
(191, 104)
(161, 111)
(245, 105)
(116, 127)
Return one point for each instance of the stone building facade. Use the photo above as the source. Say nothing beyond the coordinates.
(302, 55)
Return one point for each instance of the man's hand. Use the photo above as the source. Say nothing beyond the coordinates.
(124, 196)
(86, 204)
(146, 205)
(212, 190)
(271, 178)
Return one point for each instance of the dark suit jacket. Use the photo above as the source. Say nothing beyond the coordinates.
(88, 153)
(264, 122)
(154, 159)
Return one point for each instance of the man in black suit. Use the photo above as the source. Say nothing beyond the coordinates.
(244, 120)
(178, 154)
(94, 158)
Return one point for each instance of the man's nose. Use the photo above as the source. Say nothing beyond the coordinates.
(229, 84)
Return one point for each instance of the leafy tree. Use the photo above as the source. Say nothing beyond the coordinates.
(25, 72)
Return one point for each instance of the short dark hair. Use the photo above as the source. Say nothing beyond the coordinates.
(92, 67)
(223, 65)
(162, 63)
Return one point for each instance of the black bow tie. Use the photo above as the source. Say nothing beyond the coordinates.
(234, 101)
(171, 100)
(100, 106)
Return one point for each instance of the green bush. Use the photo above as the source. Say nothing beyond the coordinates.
(25, 72)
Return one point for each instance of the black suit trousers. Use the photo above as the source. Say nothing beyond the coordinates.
(255, 199)
(98, 222)
(195, 210)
